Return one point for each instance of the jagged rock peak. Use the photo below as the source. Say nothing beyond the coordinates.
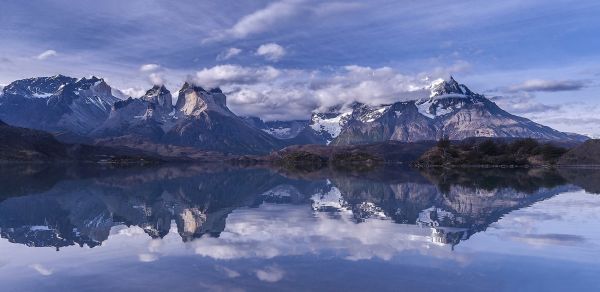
(92, 86)
(189, 85)
(194, 99)
(157, 89)
(159, 95)
(441, 87)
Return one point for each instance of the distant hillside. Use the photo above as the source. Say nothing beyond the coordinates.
(354, 157)
(20, 144)
(491, 152)
(587, 153)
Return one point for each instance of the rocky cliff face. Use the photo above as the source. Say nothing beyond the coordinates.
(147, 116)
(200, 119)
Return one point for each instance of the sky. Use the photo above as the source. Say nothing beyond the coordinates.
(284, 59)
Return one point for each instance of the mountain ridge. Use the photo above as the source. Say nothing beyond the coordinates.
(199, 118)
(452, 110)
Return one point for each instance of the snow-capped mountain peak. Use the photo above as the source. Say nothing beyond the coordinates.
(160, 96)
(39, 87)
(441, 87)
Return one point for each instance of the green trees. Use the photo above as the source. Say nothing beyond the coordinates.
(492, 152)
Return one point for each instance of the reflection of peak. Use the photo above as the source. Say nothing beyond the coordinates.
(200, 200)
(331, 200)
(434, 217)
(190, 222)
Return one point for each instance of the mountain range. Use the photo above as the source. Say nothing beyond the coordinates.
(90, 110)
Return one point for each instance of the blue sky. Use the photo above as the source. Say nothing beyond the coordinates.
(283, 59)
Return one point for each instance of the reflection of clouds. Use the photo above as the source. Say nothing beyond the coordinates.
(41, 269)
(126, 231)
(227, 271)
(282, 230)
(270, 274)
(147, 257)
(155, 245)
(561, 227)
(549, 239)
(535, 215)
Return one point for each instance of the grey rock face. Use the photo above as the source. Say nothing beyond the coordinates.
(147, 116)
(200, 119)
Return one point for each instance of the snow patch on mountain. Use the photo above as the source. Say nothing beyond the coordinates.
(278, 132)
(423, 109)
(332, 125)
(373, 114)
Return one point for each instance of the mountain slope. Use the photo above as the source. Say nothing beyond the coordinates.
(58, 103)
(278, 129)
(21, 144)
(199, 119)
(451, 110)
(587, 153)
(205, 122)
(145, 116)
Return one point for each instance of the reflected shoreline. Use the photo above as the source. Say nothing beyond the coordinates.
(54, 205)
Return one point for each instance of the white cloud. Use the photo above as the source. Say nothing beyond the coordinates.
(228, 272)
(46, 54)
(41, 269)
(156, 73)
(264, 91)
(133, 91)
(149, 67)
(233, 74)
(522, 103)
(228, 54)
(261, 20)
(548, 85)
(271, 51)
(280, 13)
(270, 274)
(156, 78)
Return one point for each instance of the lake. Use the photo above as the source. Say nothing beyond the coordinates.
(221, 228)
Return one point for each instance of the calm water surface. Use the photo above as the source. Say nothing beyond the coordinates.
(198, 228)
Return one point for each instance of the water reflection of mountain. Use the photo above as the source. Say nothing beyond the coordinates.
(62, 206)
